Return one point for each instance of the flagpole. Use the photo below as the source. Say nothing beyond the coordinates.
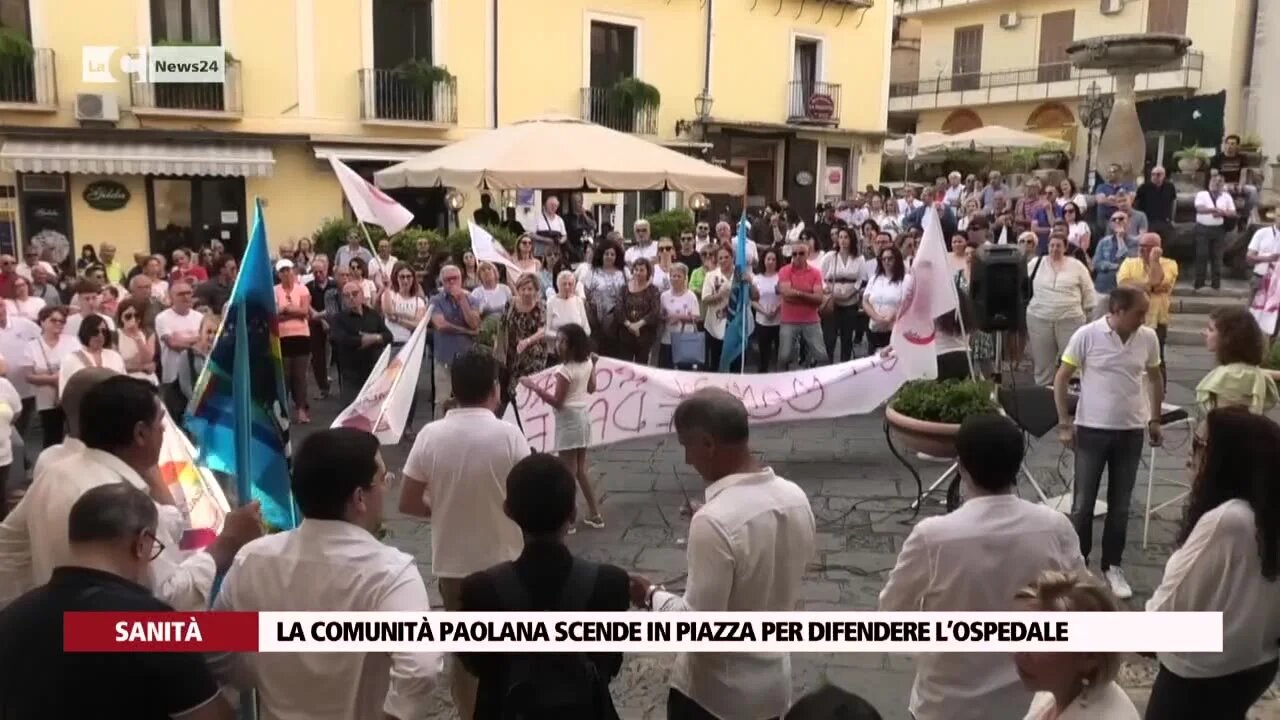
(745, 339)
(367, 237)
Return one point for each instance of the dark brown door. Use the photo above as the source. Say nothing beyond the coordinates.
(1056, 30)
(966, 58)
(1167, 16)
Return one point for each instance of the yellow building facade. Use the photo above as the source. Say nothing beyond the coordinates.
(794, 94)
(1003, 62)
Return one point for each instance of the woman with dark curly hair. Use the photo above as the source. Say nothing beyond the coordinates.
(605, 291)
(1237, 343)
(1227, 561)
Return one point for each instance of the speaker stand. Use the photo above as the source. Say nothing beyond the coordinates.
(948, 474)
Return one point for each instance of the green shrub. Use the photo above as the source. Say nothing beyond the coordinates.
(332, 235)
(404, 244)
(1272, 361)
(947, 401)
(669, 223)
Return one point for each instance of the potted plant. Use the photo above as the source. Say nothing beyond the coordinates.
(1251, 149)
(925, 415)
(192, 95)
(1191, 158)
(16, 71)
(422, 78)
(628, 98)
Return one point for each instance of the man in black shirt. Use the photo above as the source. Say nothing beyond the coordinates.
(216, 291)
(1230, 165)
(319, 325)
(541, 493)
(485, 214)
(112, 530)
(359, 335)
(1157, 198)
(687, 253)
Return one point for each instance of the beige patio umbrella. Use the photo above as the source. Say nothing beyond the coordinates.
(995, 138)
(927, 143)
(557, 151)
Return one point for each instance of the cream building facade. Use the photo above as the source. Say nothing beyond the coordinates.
(792, 93)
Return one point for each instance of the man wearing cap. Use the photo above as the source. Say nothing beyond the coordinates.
(1155, 274)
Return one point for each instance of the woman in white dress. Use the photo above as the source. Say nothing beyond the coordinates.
(566, 307)
(23, 303)
(136, 346)
(404, 308)
(96, 338)
(525, 259)
(154, 269)
(44, 357)
(768, 307)
(1071, 686)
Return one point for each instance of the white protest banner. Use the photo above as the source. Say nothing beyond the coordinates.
(195, 491)
(1265, 304)
(633, 401)
(486, 249)
(928, 292)
(382, 407)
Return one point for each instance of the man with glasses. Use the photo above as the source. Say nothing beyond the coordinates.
(644, 246)
(1107, 194)
(177, 328)
(112, 533)
(1158, 198)
(1114, 248)
(332, 561)
(801, 287)
(1214, 207)
(688, 254)
(702, 237)
(456, 324)
(662, 264)
(359, 334)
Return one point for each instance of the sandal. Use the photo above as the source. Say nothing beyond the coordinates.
(596, 522)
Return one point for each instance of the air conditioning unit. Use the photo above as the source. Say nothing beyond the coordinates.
(1112, 7)
(1009, 20)
(98, 107)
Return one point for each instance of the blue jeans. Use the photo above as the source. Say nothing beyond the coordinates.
(1119, 451)
(810, 334)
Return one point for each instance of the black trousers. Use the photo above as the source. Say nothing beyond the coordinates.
(1162, 334)
(714, 346)
(842, 321)
(53, 426)
(877, 340)
(1222, 698)
(767, 343)
(681, 707)
(954, 366)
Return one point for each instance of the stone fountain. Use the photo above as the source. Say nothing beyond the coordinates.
(1124, 56)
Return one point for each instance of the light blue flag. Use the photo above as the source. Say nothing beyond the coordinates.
(733, 353)
(237, 415)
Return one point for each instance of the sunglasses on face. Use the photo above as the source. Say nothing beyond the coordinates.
(129, 316)
(665, 248)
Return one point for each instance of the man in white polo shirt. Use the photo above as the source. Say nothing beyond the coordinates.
(1213, 208)
(456, 475)
(1264, 251)
(1112, 354)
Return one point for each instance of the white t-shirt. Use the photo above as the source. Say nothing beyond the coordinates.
(717, 312)
(405, 307)
(75, 320)
(44, 360)
(885, 295)
(29, 308)
(80, 359)
(1206, 201)
(1266, 241)
(169, 322)
(686, 303)
(767, 286)
(565, 311)
(844, 275)
(1109, 702)
(380, 270)
(491, 301)
(15, 336)
(1112, 395)
(648, 251)
(578, 374)
(1077, 231)
(464, 460)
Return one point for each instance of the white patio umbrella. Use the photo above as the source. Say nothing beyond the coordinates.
(994, 138)
(926, 144)
(558, 151)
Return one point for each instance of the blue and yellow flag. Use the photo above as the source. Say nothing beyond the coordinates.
(740, 325)
(238, 413)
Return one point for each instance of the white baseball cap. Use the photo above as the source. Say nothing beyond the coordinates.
(283, 263)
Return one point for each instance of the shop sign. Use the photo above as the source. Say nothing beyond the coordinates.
(804, 178)
(106, 195)
(821, 107)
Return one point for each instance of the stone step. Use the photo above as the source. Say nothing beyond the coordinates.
(1230, 288)
(1186, 330)
(1203, 304)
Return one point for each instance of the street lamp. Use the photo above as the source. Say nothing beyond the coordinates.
(1093, 111)
(455, 200)
(701, 110)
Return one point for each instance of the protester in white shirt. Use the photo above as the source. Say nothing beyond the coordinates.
(122, 436)
(1264, 251)
(23, 303)
(16, 335)
(380, 266)
(974, 560)
(644, 246)
(747, 552)
(548, 227)
(716, 285)
(332, 563)
(44, 357)
(1071, 686)
(566, 307)
(1061, 301)
(1227, 561)
(679, 312)
(1213, 207)
(1114, 355)
(177, 328)
(88, 301)
(456, 475)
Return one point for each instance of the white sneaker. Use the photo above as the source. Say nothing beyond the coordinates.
(1119, 585)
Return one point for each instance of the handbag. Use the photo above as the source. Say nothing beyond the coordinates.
(688, 348)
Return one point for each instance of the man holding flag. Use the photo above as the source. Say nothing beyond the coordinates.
(739, 324)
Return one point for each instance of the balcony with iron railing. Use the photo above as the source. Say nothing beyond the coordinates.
(602, 106)
(394, 97)
(914, 7)
(190, 99)
(1051, 81)
(813, 103)
(29, 83)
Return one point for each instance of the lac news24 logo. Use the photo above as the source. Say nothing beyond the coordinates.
(160, 64)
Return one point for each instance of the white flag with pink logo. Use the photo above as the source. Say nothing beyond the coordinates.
(1265, 304)
(929, 290)
(370, 204)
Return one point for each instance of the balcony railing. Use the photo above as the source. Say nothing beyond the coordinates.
(911, 7)
(189, 98)
(813, 103)
(1051, 80)
(387, 95)
(601, 109)
(29, 81)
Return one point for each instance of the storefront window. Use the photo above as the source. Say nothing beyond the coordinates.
(192, 212)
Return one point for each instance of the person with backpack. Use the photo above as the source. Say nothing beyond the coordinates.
(541, 495)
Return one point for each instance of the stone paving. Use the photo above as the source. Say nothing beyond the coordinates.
(860, 496)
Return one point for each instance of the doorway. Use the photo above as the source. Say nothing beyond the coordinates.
(192, 212)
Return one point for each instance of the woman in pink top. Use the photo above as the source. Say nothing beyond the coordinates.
(293, 302)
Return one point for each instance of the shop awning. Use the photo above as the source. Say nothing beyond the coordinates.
(48, 155)
(369, 153)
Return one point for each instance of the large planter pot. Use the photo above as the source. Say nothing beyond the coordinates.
(930, 438)
(1252, 157)
(1189, 164)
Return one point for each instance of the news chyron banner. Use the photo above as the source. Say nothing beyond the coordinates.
(641, 632)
